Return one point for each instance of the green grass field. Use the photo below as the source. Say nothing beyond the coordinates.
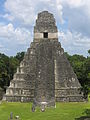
(63, 111)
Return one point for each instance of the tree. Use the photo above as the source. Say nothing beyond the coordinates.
(80, 64)
(13, 64)
(20, 56)
(4, 71)
(89, 51)
(8, 66)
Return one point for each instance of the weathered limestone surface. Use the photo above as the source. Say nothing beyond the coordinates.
(45, 74)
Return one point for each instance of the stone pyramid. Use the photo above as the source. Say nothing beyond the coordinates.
(45, 74)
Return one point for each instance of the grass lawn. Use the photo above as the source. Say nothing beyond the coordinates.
(63, 111)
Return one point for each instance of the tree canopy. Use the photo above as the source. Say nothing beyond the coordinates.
(80, 64)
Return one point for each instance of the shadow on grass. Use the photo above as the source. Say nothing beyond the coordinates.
(87, 117)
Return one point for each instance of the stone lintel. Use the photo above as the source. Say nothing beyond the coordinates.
(50, 35)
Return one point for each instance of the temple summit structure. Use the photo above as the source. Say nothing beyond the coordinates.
(45, 75)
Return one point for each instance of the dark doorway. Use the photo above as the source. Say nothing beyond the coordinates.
(45, 34)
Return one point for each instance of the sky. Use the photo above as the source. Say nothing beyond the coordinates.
(17, 19)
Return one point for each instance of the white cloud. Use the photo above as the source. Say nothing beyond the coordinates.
(74, 14)
(74, 3)
(1, 46)
(3, 49)
(21, 9)
(9, 17)
(77, 15)
(83, 4)
(13, 40)
(59, 10)
(74, 42)
(26, 11)
(9, 33)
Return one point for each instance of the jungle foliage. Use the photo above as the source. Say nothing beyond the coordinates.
(80, 64)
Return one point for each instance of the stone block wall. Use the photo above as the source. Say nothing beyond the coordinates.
(45, 74)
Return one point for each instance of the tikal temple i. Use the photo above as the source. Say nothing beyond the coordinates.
(45, 76)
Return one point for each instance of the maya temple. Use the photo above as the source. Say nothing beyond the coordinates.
(45, 74)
